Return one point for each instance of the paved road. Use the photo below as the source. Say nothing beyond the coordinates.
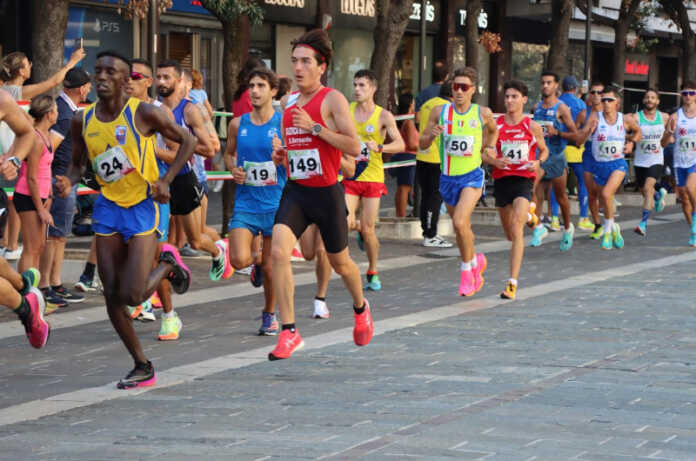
(593, 361)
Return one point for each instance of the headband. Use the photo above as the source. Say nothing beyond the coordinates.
(323, 59)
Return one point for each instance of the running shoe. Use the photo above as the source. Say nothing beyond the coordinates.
(269, 324)
(364, 328)
(584, 224)
(156, 301)
(567, 238)
(692, 240)
(87, 285)
(373, 283)
(53, 301)
(142, 375)
(295, 256)
(187, 251)
(555, 225)
(481, 266)
(171, 326)
(533, 219)
(538, 236)
(256, 276)
(134, 311)
(660, 199)
(361, 241)
(67, 295)
(693, 226)
(219, 264)
(229, 270)
(436, 242)
(180, 276)
(13, 255)
(510, 291)
(617, 237)
(321, 311)
(247, 270)
(641, 229)
(288, 342)
(31, 278)
(37, 329)
(146, 314)
(607, 241)
(467, 287)
(598, 233)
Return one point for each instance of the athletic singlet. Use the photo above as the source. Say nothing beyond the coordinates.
(264, 181)
(461, 141)
(311, 161)
(685, 141)
(649, 151)
(370, 167)
(517, 143)
(161, 164)
(608, 140)
(180, 119)
(122, 158)
(43, 175)
(549, 117)
(575, 104)
(431, 154)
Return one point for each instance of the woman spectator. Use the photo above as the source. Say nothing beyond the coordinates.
(16, 69)
(404, 175)
(32, 194)
(197, 93)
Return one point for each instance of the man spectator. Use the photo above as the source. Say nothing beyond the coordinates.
(431, 91)
(76, 87)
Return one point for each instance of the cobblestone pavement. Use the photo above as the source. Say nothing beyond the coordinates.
(593, 361)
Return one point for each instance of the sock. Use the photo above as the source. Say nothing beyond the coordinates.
(89, 271)
(656, 195)
(289, 326)
(56, 287)
(319, 298)
(540, 225)
(646, 214)
(370, 274)
(219, 256)
(473, 263)
(168, 315)
(596, 227)
(26, 286)
(23, 311)
(465, 266)
(513, 281)
(609, 226)
(359, 310)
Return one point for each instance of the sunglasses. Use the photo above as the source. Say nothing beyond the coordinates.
(460, 86)
(596, 92)
(688, 93)
(608, 99)
(138, 76)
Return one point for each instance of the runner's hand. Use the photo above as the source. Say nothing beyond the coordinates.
(628, 150)
(501, 163)
(8, 169)
(239, 175)
(301, 119)
(63, 186)
(532, 165)
(160, 191)
(437, 131)
(279, 152)
(373, 146)
(551, 130)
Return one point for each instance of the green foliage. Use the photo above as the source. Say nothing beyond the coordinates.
(230, 10)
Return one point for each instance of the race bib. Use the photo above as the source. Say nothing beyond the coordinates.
(515, 151)
(687, 145)
(459, 146)
(650, 147)
(112, 165)
(260, 174)
(304, 164)
(364, 153)
(611, 150)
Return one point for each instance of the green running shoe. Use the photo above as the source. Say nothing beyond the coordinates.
(617, 237)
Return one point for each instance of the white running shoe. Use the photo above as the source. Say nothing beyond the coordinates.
(13, 255)
(436, 242)
(246, 270)
(320, 310)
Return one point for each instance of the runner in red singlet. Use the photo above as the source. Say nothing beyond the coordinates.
(317, 127)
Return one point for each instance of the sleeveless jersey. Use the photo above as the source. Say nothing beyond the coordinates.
(516, 142)
(311, 161)
(549, 117)
(432, 154)
(161, 164)
(462, 140)
(649, 151)
(370, 166)
(608, 140)
(575, 104)
(685, 141)
(180, 120)
(122, 158)
(265, 181)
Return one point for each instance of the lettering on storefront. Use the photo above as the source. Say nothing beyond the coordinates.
(482, 19)
(429, 12)
(288, 3)
(358, 7)
(637, 67)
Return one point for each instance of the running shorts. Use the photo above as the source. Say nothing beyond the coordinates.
(365, 189)
(255, 222)
(643, 173)
(682, 175)
(451, 186)
(186, 194)
(508, 188)
(109, 218)
(603, 170)
(588, 162)
(404, 175)
(554, 167)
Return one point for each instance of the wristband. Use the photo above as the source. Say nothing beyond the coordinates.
(17, 162)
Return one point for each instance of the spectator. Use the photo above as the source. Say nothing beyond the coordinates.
(439, 75)
(198, 94)
(16, 69)
(404, 175)
(284, 87)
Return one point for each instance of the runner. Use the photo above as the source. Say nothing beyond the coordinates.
(648, 157)
(520, 149)
(259, 185)
(461, 137)
(594, 105)
(557, 123)
(185, 190)
(114, 134)
(682, 126)
(373, 124)
(316, 129)
(610, 141)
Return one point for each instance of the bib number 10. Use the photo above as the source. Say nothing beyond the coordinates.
(304, 164)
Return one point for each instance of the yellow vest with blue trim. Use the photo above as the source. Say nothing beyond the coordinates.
(431, 154)
(370, 167)
(123, 159)
(461, 141)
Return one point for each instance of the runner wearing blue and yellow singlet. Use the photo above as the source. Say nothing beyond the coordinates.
(116, 135)
(373, 124)
(466, 134)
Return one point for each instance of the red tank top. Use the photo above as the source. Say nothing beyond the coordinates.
(311, 161)
(516, 142)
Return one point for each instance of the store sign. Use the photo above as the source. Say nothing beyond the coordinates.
(358, 7)
(482, 19)
(429, 12)
(486, 18)
(303, 12)
(636, 67)
(432, 16)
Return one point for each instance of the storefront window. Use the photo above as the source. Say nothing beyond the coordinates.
(406, 64)
(527, 64)
(261, 43)
(483, 67)
(352, 52)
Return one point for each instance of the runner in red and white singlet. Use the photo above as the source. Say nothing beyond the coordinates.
(317, 127)
(520, 149)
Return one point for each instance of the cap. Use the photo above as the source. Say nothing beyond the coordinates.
(569, 83)
(76, 77)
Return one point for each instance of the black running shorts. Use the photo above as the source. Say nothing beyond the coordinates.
(508, 188)
(301, 206)
(185, 194)
(643, 173)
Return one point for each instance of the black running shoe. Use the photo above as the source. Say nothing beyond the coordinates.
(180, 276)
(67, 295)
(142, 375)
(256, 275)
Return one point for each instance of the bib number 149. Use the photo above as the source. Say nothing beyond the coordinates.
(304, 164)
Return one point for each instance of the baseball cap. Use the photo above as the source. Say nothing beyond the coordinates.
(76, 77)
(569, 83)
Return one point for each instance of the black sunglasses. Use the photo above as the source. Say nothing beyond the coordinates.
(596, 92)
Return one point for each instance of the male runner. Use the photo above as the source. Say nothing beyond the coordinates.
(373, 124)
(317, 127)
(117, 136)
(259, 184)
(557, 123)
(186, 191)
(520, 149)
(610, 142)
(459, 125)
(594, 105)
(648, 157)
(682, 126)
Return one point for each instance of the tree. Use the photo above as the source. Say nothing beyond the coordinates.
(561, 11)
(473, 10)
(677, 12)
(49, 19)
(629, 14)
(392, 19)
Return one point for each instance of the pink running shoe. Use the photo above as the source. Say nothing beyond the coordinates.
(229, 270)
(288, 342)
(364, 328)
(37, 329)
(180, 276)
(481, 266)
(466, 283)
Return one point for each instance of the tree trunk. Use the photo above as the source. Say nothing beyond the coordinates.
(392, 18)
(689, 57)
(473, 10)
(50, 19)
(676, 10)
(235, 50)
(560, 26)
(627, 15)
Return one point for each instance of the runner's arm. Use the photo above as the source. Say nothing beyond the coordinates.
(490, 132)
(345, 138)
(432, 130)
(194, 119)
(169, 154)
(567, 119)
(397, 144)
(631, 126)
(79, 158)
(20, 124)
(588, 129)
(208, 123)
(159, 122)
(670, 127)
(542, 148)
(347, 166)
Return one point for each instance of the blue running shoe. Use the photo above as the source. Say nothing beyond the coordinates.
(692, 240)
(617, 237)
(606, 241)
(373, 283)
(641, 228)
(269, 325)
(660, 199)
(361, 241)
(567, 238)
(537, 236)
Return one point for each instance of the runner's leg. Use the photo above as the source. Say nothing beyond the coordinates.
(368, 219)
(461, 221)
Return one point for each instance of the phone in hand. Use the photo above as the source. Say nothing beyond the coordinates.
(82, 42)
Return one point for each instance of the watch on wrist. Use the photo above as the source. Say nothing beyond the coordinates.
(380, 148)
(316, 129)
(17, 162)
